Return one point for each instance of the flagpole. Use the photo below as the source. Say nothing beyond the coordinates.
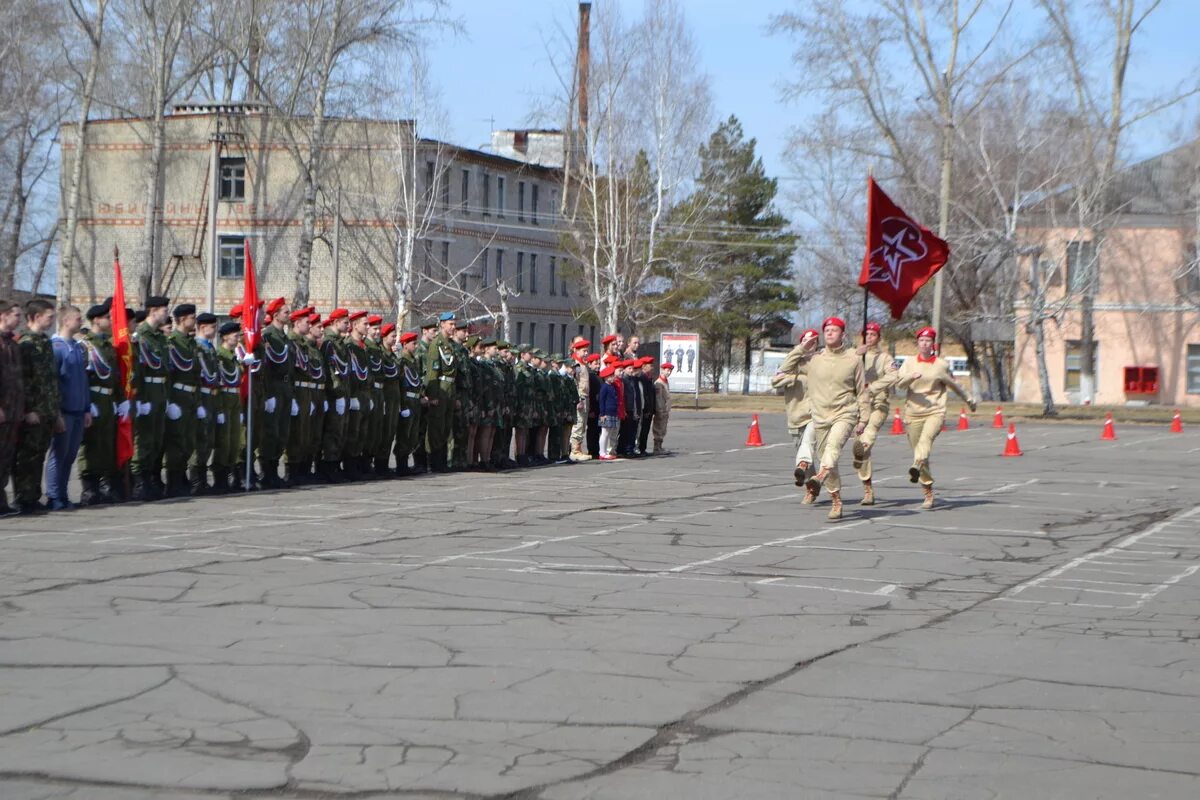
(249, 422)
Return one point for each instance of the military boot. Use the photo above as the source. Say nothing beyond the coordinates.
(198, 480)
(143, 490)
(220, 481)
(91, 494)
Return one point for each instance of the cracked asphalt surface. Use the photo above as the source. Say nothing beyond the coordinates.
(669, 627)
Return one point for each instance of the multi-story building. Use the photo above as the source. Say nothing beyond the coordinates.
(1147, 298)
(232, 175)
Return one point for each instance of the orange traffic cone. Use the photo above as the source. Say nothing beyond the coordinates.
(1108, 434)
(1011, 447)
(1176, 423)
(897, 424)
(963, 423)
(755, 438)
(998, 420)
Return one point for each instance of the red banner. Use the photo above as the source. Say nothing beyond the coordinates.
(251, 313)
(902, 255)
(123, 343)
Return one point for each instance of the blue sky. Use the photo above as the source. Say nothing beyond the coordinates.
(498, 68)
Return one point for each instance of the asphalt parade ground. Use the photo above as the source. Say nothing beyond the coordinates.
(675, 627)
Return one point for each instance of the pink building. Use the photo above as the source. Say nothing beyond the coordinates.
(1147, 300)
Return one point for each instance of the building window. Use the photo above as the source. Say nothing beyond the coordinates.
(553, 276)
(562, 286)
(233, 179)
(1193, 369)
(500, 266)
(520, 331)
(466, 191)
(485, 192)
(446, 258)
(580, 333)
(592, 338)
(444, 180)
(1075, 362)
(520, 271)
(533, 203)
(1081, 264)
(483, 269)
(533, 273)
(428, 258)
(521, 200)
(231, 251)
(562, 341)
(1189, 275)
(430, 188)
(533, 333)
(550, 338)
(499, 196)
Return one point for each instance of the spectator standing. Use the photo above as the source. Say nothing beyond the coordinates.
(75, 406)
(12, 396)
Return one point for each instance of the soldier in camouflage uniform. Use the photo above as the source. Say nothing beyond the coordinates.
(541, 405)
(469, 393)
(183, 386)
(386, 442)
(502, 443)
(299, 439)
(12, 396)
(98, 455)
(412, 403)
(429, 329)
(42, 419)
(150, 372)
(490, 387)
(337, 393)
(228, 435)
(523, 398)
(206, 402)
(441, 375)
(273, 394)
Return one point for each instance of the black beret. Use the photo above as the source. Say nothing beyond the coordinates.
(183, 310)
(205, 318)
(157, 301)
(140, 316)
(229, 327)
(101, 310)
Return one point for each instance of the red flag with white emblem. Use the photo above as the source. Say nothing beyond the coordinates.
(902, 255)
(123, 344)
(251, 313)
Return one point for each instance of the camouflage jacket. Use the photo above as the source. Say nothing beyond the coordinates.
(39, 376)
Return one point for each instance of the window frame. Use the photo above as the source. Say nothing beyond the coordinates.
(1191, 368)
(520, 270)
(553, 275)
(500, 196)
(231, 196)
(231, 241)
(533, 259)
(520, 201)
(1074, 350)
(465, 201)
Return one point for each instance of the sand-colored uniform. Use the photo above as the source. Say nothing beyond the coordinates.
(837, 399)
(925, 406)
(875, 368)
(794, 388)
(662, 411)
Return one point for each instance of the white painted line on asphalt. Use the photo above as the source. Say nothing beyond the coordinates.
(755, 547)
(957, 529)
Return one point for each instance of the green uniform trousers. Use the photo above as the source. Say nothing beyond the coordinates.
(205, 428)
(30, 460)
(299, 440)
(333, 433)
(149, 429)
(181, 432)
(439, 415)
(98, 452)
(391, 421)
(228, 433)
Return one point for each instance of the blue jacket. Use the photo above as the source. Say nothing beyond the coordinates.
(608, 400)
(70, 360)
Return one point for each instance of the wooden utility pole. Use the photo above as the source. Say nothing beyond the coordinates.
(944, 198)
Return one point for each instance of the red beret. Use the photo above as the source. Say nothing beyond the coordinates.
(407, 337)
(592, 358)
(386, 329)
(275, 305)
(927, 331)
(236, 311)
(580, 342)
(834, 321)
(611, 359)
(607, 340)
(666, 365)
(647, 359)
(337, 313)
(873, 326)
(314, 318)
(375, 319)
(357, 315)
(299, 314)
(607, 372)
(328, 322)
(813, 331)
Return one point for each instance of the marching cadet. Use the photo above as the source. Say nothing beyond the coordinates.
(183, 379)
(228, 420)
(390, 413)
(318, 404)
(359, 377)
(206, 402)
(42, 419)
(299, 439)
(794, 383)
(441, 373)
(662, 405)
(273, 394)
(98, 456)
(429, 330)
(337, 364)
(412, 403)
(926, 377)
(839, 405)
(151, 367)
(12, 397)
(875, 364)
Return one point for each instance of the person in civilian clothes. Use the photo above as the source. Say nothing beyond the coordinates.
(649, 402)
(75, 406)
(42, 415)
(627, 442)
(593, 418)
(609, 410)
(12, 396)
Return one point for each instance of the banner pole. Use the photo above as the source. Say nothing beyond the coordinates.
(249, 424)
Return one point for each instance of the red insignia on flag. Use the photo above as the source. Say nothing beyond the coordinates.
(902, 255)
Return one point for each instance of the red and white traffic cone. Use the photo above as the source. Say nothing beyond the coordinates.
(998, 420)
(897, 424)
(1011, 447)
(963, 422)
(1109, 434)
(1177, 423)
(755, 438)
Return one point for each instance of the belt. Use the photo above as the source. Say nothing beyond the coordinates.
(206, 390)
(101, 390)
(154, 380)
(413, 395)
(444, 378)
(232, 391)
(183, 387)
(377, 385)
(304, 385)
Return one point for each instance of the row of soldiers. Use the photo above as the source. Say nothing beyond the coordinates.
(332, 399)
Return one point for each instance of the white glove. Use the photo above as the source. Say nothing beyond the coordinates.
(312, 408)
(174, 411)
(326, 402)
(241, 419)
(371, 407)
(249, 358)
(95, 412)
(406, 413)
(201, 412)
(143, 408)
(269, 406)
(354, 404)
(340, 405)
(122, 409)
(295, 408)
(220, 418)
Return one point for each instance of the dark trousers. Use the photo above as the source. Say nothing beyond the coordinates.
(627, 437)
(644, 431)
(593, 437)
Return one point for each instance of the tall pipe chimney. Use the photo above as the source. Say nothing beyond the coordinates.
(583, 63)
